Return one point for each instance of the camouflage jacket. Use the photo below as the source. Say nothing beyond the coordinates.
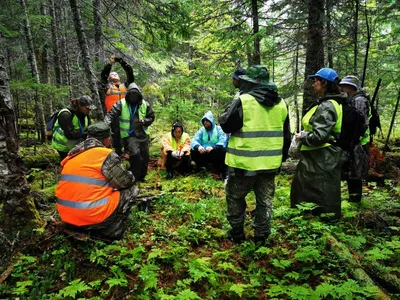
(112, 168)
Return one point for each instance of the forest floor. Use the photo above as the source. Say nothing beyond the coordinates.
(176, 248)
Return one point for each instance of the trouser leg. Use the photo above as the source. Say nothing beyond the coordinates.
(132, 145)
(355, 189)
(264, 189)
(236, 190)
(144, 153)
(116, 137)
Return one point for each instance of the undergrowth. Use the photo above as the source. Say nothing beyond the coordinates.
(177, 249)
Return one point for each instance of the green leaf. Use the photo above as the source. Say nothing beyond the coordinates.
(73, 289)
(238, 288)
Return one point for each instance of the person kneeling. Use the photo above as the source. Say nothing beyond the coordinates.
(95, 193)
(175, 150)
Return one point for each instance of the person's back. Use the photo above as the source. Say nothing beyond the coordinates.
(88, 195)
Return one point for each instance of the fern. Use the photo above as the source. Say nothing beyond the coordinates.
(149, 276)
(238, 288)
(377, 254)
(187, 294)
(282, 264)
(73, 289)
(308, 254)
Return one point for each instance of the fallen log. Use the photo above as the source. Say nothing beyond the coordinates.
(382, 274)
(354, 266)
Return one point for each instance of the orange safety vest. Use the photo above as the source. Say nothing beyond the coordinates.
(114, 94)
(84, 197)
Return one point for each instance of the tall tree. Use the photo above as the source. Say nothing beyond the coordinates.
(55, 42)
(98, 31)
(80, 32)
(34, 68)
(19, 212)
(256, 29)
(315, 47)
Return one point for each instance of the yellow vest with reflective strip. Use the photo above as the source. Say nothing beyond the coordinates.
(308, 127)
(258, 144)
(59, 141)
(125, 118)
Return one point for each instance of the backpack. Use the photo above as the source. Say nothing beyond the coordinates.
(51, 121)
(353, 127)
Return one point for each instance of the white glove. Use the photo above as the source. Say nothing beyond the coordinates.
(174, 155)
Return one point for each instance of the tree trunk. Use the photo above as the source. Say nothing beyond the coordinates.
(19, 212)
(80, 32)
(328, 39)
(55, 41)
(356, 37)
(34, 68)
(61, 15)
(315, 48)
(98, 31)
(296, 89)
(254, 12)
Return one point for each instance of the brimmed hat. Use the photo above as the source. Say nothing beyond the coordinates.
(85, 100)
(238, 73)
(258, 74)
(99, 130)
(351, 80)
(326, 73)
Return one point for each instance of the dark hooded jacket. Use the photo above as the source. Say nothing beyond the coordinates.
(134, 97)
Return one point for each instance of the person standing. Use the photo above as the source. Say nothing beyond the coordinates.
(258, 122)
(95, 192)
(175, 150)
(135, 115)
(357, 158)
(114, 91)
(208, 145)
(71, 126)
(317, 175)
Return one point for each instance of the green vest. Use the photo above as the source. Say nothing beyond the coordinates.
(181, 142)
(60, 141)
(258, 144)
(307, 126)
(125, 118)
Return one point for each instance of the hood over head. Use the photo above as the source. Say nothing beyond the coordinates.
(208, 116)
(133, 94)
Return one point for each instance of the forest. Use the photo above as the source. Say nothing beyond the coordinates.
(183, 54)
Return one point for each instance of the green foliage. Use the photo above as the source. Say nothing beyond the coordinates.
(74, 288)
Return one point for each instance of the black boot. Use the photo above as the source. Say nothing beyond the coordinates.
(236, 235)
(170, 173)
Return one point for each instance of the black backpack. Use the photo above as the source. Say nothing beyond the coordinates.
(50, 122)
(353, 127)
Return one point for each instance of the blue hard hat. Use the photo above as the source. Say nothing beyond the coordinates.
(326, 73)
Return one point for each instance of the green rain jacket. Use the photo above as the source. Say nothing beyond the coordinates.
(317, 176)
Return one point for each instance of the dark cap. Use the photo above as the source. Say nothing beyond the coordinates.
(85, 100)
(238, 72)
(99, 130)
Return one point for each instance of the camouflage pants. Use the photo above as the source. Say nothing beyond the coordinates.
(115, 225)
(237, 188)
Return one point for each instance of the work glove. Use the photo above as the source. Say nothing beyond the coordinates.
(175, 155)
(117, 59)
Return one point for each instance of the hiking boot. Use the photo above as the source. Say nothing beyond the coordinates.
(170, 173)
(260, 241)
(236, 235)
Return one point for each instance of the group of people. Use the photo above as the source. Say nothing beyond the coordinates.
(96, 192)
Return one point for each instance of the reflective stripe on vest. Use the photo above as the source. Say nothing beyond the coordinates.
(308, 127)
(84, 197)
(60, 142)
(125, 118)
(258, 144)
(181, 142)
(114, 94)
